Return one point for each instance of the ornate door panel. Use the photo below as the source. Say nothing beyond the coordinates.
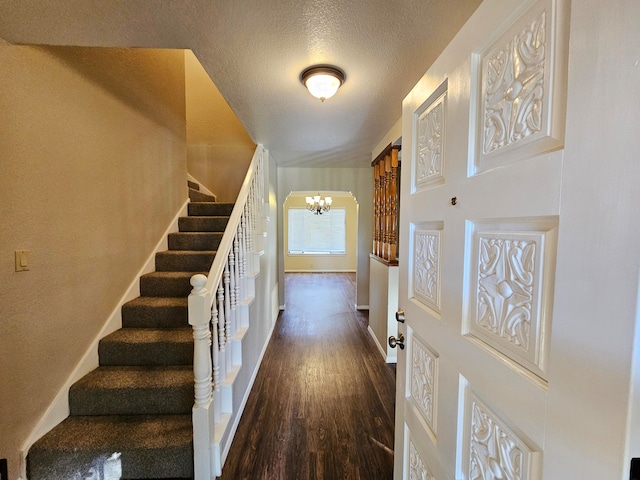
(482, 143)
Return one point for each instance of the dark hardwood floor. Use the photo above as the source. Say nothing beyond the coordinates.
(322, 405)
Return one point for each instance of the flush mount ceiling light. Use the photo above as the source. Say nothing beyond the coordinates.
(322, 81)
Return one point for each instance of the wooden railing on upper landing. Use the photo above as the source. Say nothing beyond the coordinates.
(386, 199)
(218, 309)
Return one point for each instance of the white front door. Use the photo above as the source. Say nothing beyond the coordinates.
(481, 179)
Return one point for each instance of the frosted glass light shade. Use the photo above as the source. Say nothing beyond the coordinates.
(322, 81)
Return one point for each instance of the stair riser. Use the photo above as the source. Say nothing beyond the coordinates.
(202, 224)
(154, 317)
(117, 353)
(210, 209)
(194, 241)
(153, 286)
(184, 262)
(131, 401)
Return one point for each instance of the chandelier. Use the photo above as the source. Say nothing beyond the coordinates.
(318, 205)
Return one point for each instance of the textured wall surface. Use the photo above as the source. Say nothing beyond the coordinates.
(219, 149)
(93, 171)
(255, 51)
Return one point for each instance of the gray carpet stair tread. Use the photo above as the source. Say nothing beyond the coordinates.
(151, 335)
(127, 390)
(180, 253)
(194, 240)
(142, 431)
(179, 275)
(158, 302)
(156, 312)
(124, 377)
(161, 284)
(147, 346)
(151, 446)
(203, 223)
(184, 260)
(209, 208)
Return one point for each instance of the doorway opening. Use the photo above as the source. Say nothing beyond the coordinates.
(320, 243)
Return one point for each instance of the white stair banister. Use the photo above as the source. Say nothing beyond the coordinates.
(203, 421)
(215, 307)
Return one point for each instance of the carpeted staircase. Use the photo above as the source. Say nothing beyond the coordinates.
(131, 417)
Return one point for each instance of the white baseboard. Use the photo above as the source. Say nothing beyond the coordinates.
(381, 349)
(362, 307)
(58, 410)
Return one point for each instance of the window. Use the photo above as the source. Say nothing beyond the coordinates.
(311, 234)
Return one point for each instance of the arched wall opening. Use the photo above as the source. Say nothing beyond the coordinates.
(345, 209)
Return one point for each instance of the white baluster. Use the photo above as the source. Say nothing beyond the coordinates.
(222, 338)
(227, 313)
(261, 180)
(241, 266)
(215, 356)
(235, 280)
(232, 293)
(246, 225)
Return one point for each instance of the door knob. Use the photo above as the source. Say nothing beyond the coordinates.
(393, 341)
(400, 316)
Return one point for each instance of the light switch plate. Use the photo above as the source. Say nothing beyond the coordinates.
(22, 260)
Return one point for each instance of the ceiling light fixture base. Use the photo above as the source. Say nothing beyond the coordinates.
(322, 81)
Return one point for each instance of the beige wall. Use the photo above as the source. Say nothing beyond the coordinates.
(93, 169)
(358, 181)
(219, 148)
(323, 263)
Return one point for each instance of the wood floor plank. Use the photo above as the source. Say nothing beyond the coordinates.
(322, 405)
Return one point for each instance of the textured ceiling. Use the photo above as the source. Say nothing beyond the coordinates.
(254, 50)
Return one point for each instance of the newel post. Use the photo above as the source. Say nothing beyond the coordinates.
(203, 425)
